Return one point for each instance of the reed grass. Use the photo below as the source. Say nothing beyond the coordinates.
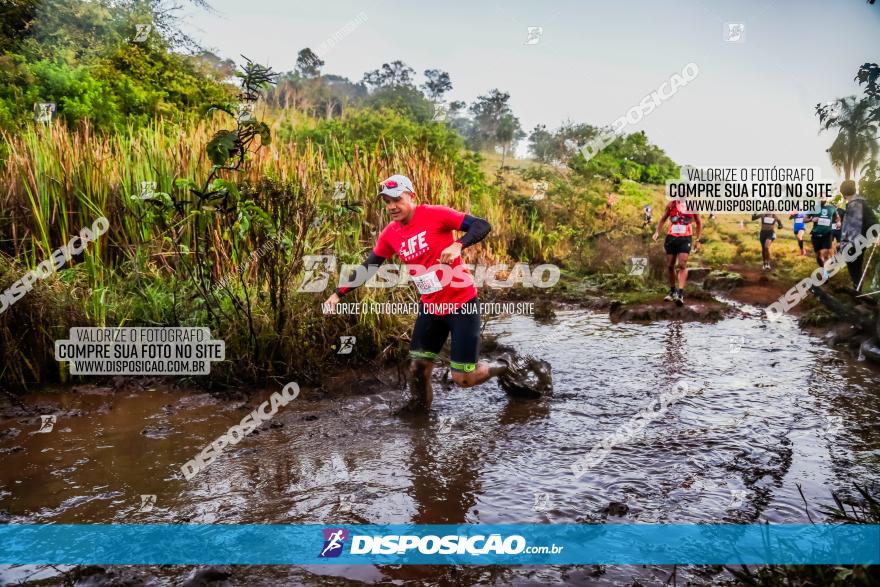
(56, 180)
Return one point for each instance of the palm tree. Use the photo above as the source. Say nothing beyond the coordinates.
(856, 140)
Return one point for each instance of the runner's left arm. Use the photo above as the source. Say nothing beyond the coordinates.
(699, 231)
(475, 229)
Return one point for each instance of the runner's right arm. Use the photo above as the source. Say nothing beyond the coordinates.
(662, 220)
(372, 263)
(383, 250)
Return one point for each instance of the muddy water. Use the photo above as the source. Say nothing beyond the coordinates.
(767, 409)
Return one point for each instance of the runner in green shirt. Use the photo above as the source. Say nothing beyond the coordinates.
(823, 219)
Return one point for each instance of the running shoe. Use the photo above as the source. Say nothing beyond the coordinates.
(525, 377)
(671, 295)
(679, 298)
(514, 362)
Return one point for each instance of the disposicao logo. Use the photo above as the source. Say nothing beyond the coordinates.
(451, 544)
(334, 540)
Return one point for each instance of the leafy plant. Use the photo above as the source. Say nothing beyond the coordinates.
(867, 511)
(218, 200)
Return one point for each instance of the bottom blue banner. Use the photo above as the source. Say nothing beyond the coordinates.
(527, 544)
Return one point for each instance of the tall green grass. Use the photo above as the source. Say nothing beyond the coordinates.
(56, 180)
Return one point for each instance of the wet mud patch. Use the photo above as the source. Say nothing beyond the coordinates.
(704, 310)
(757, 288)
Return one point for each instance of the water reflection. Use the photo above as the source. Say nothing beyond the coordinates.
(758, 422)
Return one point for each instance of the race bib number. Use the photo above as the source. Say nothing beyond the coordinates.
(824, 222)
(679, 229)
(769, 220)
(427, 283)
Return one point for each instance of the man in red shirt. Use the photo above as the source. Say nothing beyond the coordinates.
(678, 246)
(422, 236)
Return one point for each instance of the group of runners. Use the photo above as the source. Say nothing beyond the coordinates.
(839, 220)
(423, 236)
(826, 227)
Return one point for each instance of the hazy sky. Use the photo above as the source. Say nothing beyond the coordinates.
(751, 105)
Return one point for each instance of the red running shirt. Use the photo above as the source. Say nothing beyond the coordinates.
(419, 244)
(679, 221)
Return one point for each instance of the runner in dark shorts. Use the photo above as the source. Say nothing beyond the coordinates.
(821, 244)
(767, 235)
(422, 236)
(678, 246)
(821, 235)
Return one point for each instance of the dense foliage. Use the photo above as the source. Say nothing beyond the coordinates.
(101, 60)
(629, 157)
(139, 104)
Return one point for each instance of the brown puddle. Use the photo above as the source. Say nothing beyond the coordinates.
(767, 408)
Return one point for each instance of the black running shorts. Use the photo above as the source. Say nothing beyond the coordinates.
(821, 241)
(676, 245)
(766, 236)
(430, 333)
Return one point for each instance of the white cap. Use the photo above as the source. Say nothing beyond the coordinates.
(395, 185)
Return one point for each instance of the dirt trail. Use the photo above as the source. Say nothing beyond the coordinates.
(758, 288)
